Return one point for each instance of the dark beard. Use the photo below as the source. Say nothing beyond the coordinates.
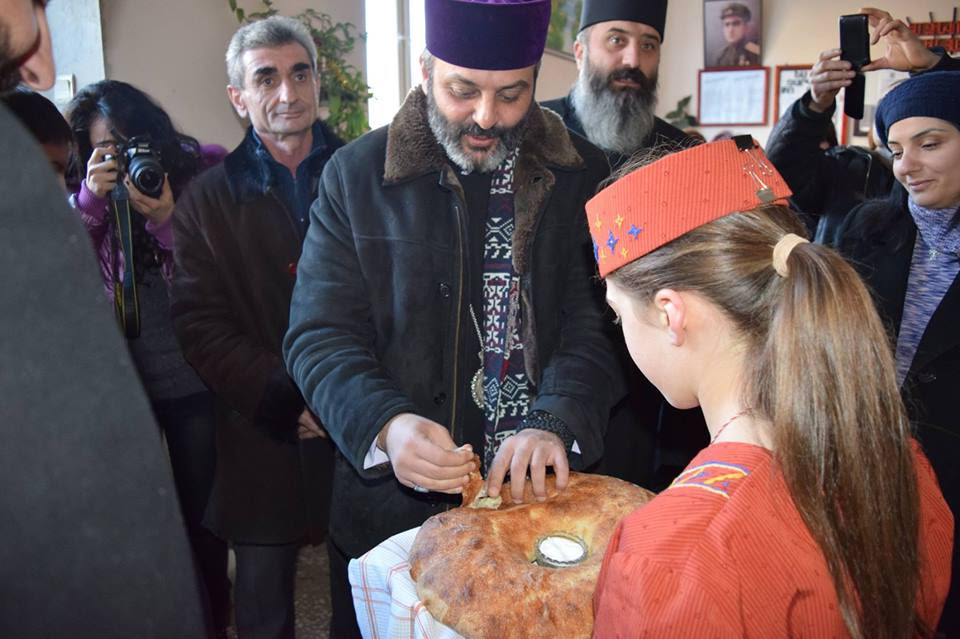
(450, 136)
(9, 64)
(615, 118)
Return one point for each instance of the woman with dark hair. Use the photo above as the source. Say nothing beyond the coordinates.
(812, 512)
(104, 118)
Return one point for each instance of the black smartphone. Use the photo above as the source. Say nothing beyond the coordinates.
(855, 49)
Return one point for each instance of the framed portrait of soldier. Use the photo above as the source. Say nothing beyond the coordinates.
(732, 33)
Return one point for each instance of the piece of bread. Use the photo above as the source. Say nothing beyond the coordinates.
(474, 566)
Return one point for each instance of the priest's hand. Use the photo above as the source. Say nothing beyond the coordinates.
(423, 455)
(530, 449)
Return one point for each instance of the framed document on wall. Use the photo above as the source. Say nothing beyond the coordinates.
(733, 96)
(792, 81)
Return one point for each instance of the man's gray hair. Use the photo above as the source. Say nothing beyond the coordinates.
(268, 33)
(583, 37)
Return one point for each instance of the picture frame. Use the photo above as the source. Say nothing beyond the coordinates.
(733, 96)
(732, 33)
(564, 27)
(790, 83)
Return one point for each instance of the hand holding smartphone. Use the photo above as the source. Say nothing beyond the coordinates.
(855, 49)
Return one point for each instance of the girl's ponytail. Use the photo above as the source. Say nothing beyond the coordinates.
(826, 382)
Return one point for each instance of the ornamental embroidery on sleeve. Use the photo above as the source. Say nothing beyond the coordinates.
(718, 478)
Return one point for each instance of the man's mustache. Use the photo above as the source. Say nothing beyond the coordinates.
(629, 75)
(475, 130)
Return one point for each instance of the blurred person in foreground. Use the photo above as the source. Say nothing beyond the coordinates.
(91, 541)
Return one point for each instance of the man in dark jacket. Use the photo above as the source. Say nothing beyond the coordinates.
(444, 302)
(618, 57)
(238, 231)
(92, 543)
(618, 54)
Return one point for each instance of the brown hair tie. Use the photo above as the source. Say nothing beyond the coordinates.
(781, 252)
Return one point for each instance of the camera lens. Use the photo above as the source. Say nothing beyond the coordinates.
(147, 175)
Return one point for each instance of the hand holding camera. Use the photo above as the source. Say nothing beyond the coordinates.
(835, 69)
(157, 210)
(101, 172)
(828, 76)
(904, 50)
(139, 165)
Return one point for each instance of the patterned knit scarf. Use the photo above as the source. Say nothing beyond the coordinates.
(505, 384)
(933, 269)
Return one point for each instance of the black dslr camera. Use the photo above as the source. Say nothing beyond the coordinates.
(137, 158)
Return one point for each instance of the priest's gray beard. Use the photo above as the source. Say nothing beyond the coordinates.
(450, 136)
(615, 119)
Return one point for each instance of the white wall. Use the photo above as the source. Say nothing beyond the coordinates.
(77, 43)
(174, 51)
(557, 75)
(793, 33)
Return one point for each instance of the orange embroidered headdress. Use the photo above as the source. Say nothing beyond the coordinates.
(661, 201)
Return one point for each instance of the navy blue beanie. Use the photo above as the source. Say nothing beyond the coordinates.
(928, 95)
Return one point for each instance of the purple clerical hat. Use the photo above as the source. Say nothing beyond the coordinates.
(487, 34)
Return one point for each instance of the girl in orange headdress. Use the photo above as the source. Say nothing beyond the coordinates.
(812, 512)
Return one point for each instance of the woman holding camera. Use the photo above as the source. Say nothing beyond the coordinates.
(121, 134)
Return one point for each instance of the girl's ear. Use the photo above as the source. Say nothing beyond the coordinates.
(673, 314)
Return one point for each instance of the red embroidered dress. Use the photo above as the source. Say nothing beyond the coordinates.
(723, 552)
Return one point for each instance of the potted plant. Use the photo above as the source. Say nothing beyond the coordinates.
(679, 116)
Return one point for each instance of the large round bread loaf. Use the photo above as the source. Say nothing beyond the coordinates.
(474, 566)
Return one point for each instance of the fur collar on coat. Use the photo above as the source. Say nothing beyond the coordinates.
(413, 151)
